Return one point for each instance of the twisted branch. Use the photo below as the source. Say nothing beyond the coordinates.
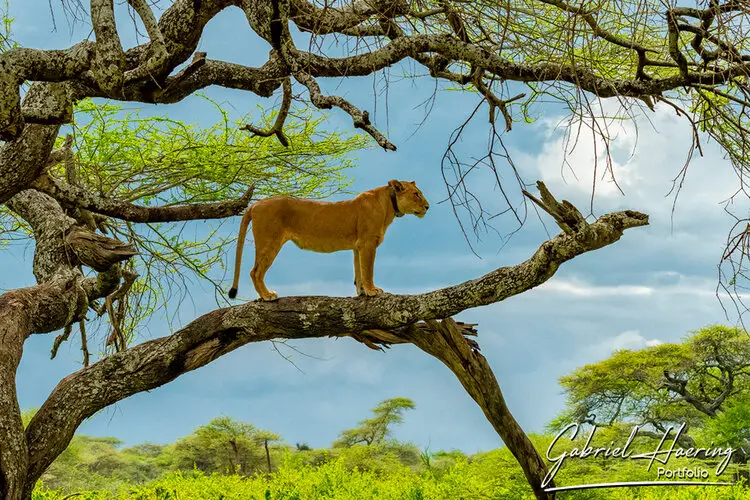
(360, 119)
(278, 127)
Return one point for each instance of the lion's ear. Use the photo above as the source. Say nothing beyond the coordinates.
(396, 185)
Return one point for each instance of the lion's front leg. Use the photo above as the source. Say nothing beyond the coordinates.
(358, 274)
(367, 269)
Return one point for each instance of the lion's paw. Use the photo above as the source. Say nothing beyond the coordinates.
(374, 291)
(271, 296)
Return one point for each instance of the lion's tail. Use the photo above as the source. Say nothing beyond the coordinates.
(240, 245)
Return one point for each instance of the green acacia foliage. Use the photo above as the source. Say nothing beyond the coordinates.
(376, 429)
(150, 160)
(703, 381)
(730, 427)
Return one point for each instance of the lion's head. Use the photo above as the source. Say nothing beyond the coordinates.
(409, 198)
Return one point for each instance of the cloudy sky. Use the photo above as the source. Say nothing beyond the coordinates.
(654, 285)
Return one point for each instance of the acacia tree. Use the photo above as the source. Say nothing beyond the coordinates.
(376, 429)
(703, 383)
(692, 59)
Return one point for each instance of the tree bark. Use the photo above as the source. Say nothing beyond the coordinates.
(445, 341)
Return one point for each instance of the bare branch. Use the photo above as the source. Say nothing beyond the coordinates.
(494, 101)
(278, 127)
(309, 17)
(361, 119)
(117, 337)
(566, 215)
(159, 56)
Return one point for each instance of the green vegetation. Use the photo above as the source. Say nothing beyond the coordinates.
(362, 472)
(229, 459)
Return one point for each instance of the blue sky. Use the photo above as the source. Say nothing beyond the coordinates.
(654, 285)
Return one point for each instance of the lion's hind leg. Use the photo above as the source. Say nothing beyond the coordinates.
(267, 247)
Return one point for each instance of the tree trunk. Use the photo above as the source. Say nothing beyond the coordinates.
(268, 455)
(446, 343)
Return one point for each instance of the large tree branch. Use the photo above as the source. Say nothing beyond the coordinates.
(76, 196)
(180, 26)
(109, 59)
(20, 65)
(310, 17)
(159, 361)
(448, 46)
(445, 342)
(14, 325)
(63, 294)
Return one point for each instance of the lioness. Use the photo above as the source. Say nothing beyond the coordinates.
(321, 226)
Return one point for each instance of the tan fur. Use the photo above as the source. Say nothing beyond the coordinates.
(358, 225)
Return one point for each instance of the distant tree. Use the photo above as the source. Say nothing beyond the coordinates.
(375, 430)
(223, 445)
(693, 382)
(265, 437)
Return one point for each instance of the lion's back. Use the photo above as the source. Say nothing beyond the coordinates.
(312, 225)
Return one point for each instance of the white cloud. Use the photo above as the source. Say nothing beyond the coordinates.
(581, 289)
(680, 285)
(648, 154)
(629, 339)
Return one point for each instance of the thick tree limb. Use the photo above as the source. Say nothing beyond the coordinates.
(50, 225)
(455, 50)
(446, 343)
(14, 325)
(158, 56)
(310, 17)
(19, 65)
(109, 59)
(261, 81)
(63, 294)
(159, 361)
(82, 198)
(181, 25)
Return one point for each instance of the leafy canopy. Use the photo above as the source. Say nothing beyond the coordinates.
(703, 382)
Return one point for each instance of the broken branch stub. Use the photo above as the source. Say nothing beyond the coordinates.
(97, 252)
